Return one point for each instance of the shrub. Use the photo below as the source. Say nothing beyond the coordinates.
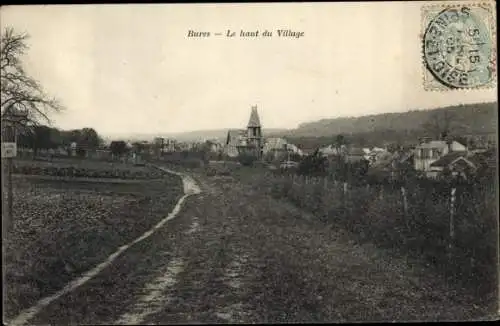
(375, 213)
(314, 164)
(247, 159)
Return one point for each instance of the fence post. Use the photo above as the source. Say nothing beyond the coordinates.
(405, 206)
(452, 220)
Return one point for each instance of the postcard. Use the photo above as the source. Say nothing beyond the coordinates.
(249, 162)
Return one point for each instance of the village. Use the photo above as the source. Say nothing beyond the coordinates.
(428, 157)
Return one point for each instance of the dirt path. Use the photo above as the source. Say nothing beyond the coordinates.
(233, 255)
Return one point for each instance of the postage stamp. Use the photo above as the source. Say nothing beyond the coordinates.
(458, 46)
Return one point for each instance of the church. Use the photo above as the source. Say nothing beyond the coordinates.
(249, 140)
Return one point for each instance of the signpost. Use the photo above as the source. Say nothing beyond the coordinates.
(9, 151)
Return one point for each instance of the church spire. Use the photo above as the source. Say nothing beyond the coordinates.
(254, 121)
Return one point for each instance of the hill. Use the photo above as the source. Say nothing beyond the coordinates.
(464, 120)
(370, 130)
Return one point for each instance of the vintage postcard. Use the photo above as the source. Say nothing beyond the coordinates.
(249, 163)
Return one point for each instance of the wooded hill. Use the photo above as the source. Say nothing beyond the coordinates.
(404, 128)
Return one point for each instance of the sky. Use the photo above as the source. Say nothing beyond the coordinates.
(133, 68)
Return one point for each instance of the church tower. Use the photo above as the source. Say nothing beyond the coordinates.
(254, 132)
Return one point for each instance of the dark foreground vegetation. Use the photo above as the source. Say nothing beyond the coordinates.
(61, 229)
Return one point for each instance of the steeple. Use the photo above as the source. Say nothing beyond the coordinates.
(254, 121)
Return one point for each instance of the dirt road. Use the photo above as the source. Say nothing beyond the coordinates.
(234, 255)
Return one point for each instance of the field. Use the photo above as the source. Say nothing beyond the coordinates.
(419, 230)
(63, 227)
(84, 168)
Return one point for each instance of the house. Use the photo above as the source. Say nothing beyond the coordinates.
(279, 147)
(429, 152)
(294, 149)
(103, 154)
(372, 154)
(457, 163)
(391, 164)
(183, 146)
(169, 145)
(307, 151)
(234, 139)
(355, 155)
(330, 150)
(350, 154)
(214, 146)
(367, 153)
(248, 140)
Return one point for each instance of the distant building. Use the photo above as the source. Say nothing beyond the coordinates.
(371, 155)
(355, 155)
(391, 164)
(169, 145)
(332, 150)
(279, 148)
(235, 138)
(431, 151)
(214, 146)
(246, 141)
(349, 154)
(458, 163)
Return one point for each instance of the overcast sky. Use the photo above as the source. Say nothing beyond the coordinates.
(132, 68)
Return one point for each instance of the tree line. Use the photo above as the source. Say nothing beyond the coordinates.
(40, 137)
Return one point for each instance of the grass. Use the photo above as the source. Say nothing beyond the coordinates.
(62, 229)
(373, 215)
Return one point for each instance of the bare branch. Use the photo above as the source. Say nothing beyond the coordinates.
(19, 90)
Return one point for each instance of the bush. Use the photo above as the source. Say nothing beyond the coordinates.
(375, 213)
(247, 159)
(314, 164)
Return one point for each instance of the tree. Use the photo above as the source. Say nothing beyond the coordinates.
(18, 90)
(89, 138)
(39, 137)
(118, 147)
(358, 170)
(340, 143)
(138, 147)
(314, 164)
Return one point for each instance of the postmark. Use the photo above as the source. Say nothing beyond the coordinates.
(458, 49)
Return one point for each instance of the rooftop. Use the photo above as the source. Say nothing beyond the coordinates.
(436, 144)
(449, 158)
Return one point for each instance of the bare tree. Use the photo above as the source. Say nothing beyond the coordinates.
(19, 90)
